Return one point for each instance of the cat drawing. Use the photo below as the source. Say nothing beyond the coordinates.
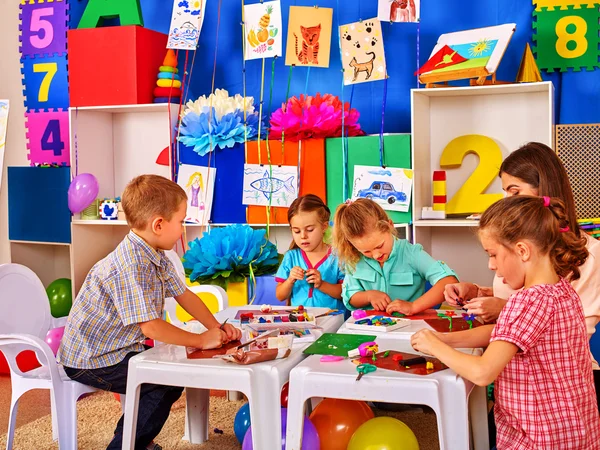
(363, 67)
(310, 44)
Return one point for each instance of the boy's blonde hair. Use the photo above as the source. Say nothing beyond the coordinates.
(354, 220)
(148, 196)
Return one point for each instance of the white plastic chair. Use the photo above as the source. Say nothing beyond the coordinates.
(24, 323)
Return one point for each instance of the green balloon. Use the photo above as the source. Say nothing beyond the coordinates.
(59, 295)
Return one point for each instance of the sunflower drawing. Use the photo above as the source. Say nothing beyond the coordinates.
(479, 48)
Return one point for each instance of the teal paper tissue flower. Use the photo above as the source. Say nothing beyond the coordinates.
(230, 254)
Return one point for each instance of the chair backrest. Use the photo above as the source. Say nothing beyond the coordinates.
(24, 304)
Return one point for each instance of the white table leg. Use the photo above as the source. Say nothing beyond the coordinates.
(295, 418)
(131, 412)
(478, 417)
(265, 412)
(196, 415)
(454, 409)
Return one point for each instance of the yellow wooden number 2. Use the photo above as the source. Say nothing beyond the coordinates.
(470, 198)
(577, 36)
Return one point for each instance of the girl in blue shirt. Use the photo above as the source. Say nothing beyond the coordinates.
(309, 274)
(383, 272)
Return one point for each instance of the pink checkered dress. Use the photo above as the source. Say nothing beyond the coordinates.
(545, 397)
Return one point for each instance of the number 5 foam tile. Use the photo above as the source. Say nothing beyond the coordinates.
(566, 38)
(46, 82)
(43, 28)
(563, 4)
(48, 136)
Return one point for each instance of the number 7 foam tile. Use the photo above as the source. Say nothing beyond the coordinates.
(46, 82)
(48, 135)
(43, 27)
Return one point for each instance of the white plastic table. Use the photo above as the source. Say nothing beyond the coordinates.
(261, 383)
(450, 396)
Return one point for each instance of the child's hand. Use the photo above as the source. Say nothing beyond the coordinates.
(213, 338)
(401, 306)
(423, 341)
(456, 294)
(314, 276)
(233, 333)
(379, 300)
(296, 273)
(488, 308)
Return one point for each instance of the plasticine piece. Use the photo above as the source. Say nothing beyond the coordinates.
(368, 348)
(168, 69)
(129, 12)
(168, 83)
(397, 357)
(170, 59)
(359, 314)
(331, 358)
(166, 100)
(168, 76)
(166, 92)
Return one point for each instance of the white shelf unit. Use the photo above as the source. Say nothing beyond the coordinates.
(48, 260)
(510, 114)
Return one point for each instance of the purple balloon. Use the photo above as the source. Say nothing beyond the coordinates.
(82, 192)
(53, 338)
(310, 438)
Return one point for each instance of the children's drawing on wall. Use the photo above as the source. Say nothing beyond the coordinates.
(3, 129)
(262, 30)
(186, 23)
(363, 57)
(390, 186)
(309, 36)
(198, 182)
(280, 184)
(399, 10)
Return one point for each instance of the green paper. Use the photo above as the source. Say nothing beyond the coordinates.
(129, 12)
(337, 344)
(364, 151)
(574, 49)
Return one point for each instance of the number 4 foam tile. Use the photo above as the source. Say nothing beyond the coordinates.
(566, 38)
(46, 82)
(48, 135)
(563, 4)
(43, 28)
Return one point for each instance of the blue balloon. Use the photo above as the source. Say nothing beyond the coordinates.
(242, 422)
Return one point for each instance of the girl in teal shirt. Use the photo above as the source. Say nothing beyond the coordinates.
(383, 272)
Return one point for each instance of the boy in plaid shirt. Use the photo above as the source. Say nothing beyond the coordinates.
(121, 304)
(538, 351)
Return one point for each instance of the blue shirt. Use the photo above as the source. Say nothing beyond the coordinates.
(402, 276)
(302, 292)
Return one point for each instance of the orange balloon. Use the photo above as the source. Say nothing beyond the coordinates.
(336, 421)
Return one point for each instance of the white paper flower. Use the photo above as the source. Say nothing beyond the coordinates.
(221, 102)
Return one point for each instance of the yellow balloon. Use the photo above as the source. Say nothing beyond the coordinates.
(383, 433)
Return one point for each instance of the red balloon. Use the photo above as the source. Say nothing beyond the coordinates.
(336, 421)
(285, 390)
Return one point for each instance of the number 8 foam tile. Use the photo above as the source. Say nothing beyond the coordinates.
(43, 28)
(48, 136)
(562, 4)
(46, 82)
(566, 38)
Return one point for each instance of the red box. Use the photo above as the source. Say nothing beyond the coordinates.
(114, 65)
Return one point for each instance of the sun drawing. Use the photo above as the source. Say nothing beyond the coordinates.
(479, 47)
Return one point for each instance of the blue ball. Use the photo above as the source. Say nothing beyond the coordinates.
(242, 422)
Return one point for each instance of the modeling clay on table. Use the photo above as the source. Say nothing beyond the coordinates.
(280, 315)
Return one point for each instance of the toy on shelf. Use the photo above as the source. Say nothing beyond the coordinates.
(109, 208)
(591, 227)
(528, 69)
(376, 324)
(467, 54)
(168, 84)
(92, 212)
(438, 211)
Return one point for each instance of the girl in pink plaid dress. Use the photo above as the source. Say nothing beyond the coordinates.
(538, 351)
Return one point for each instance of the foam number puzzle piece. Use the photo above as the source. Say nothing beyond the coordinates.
(48, 137)
(43, 28)
(566, 38)
(46, 82)
(470, 198)
(562, 4)
(129, 12)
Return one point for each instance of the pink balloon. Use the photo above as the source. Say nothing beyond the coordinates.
(53, 338)
(83, 190)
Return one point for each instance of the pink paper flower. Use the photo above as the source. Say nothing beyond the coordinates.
(314, 117)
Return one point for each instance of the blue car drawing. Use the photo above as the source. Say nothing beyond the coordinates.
(384, 191)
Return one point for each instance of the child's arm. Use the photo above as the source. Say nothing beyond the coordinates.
(473, 338)
(481, 370)
(377, 299)
(284, 289)
(432, 297)
(162, 331)
(333, 290)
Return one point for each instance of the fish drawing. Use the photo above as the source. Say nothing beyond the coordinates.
(268, 185)
(381, 172)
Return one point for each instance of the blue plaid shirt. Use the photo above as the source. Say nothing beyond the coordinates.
(122, 290)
